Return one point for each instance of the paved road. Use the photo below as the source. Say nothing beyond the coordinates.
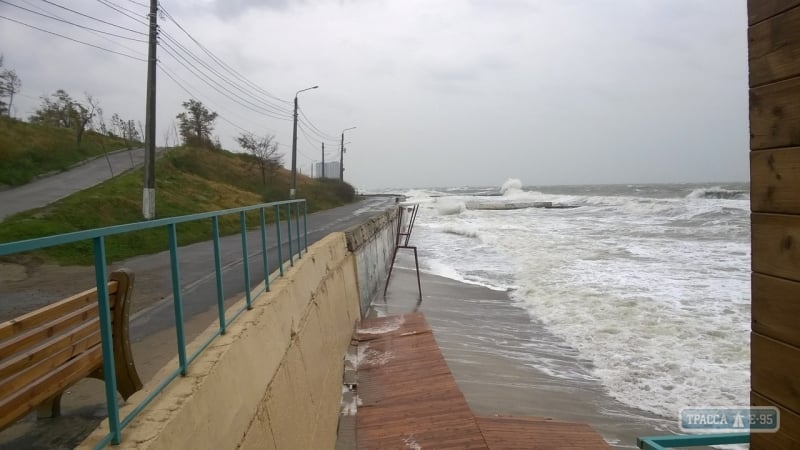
(198, 277)
(153, 341)
(47, 190)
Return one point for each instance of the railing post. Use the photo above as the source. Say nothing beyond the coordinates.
(104, 312)
(177, 301)
(277, 210)
(289, 233)
(305, 224)
(245, 259)
(218, 269)
(299, 241)
(263, 219)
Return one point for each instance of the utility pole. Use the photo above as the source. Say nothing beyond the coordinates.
(341, 160)
(149, 188)
(292, 189)
(323, 160)
(341, 155)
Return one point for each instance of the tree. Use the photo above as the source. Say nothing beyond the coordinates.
(196, 124)
(265, 151)
(3, 106)
(84, 115)
(55, 111)
(60, 110)
(10, 84)
(125, 129)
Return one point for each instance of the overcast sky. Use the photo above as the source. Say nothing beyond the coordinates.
(442, 92)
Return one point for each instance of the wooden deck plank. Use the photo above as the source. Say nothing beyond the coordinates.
(409, 399)
(534, 434)
(408, 395)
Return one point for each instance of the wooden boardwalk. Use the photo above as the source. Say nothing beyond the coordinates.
(538, 434)
(409, 399)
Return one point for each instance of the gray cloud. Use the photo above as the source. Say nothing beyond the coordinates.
(449, 92)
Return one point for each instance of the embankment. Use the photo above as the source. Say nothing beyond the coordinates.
(274, 379)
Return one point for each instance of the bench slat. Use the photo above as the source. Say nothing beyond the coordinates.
(44, 352)
(52, 352)
(35, 336)
(16, 406)
(53, 311)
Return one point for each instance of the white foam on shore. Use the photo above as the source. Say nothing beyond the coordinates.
(387, 327)
(351, 408)
(365, 356)
(411, 443)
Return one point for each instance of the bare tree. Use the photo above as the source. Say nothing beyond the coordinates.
(265, 151)
(84, 115)
(10, 84)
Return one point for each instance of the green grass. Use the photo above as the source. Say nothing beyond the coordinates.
(188, 181)
(28, 150)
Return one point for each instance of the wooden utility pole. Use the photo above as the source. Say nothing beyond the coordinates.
(149, 189)
(323, 160)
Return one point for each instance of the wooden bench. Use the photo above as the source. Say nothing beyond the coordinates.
(46, 351)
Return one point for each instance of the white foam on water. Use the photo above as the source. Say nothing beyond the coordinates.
(653, 291)
(446, 206)
(511, 186)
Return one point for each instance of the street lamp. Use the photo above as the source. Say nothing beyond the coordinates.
(341, 155)
(292, 189)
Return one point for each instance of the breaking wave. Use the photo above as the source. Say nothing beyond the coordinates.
(719, 194)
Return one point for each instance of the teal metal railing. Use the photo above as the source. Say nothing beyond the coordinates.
(98, 235)
(691, 440)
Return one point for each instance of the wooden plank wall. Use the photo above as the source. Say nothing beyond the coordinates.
(774, 56)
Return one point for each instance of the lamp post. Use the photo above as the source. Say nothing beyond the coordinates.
(341, 155)
(292, 189)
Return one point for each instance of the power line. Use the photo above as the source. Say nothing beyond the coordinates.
(221, 62)
(89, 17)
(101, 36)
(174, 77)
(311, 140)
(72, 39)
(166, 72)
(307, 138)
(71, 23)
(216, 86)
(284, 113)
(122, 11)
(314, 128)
(109, 2)
(247, 90)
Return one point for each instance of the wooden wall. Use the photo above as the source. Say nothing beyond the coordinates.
(774, 40)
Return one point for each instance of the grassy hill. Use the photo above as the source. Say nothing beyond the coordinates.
(188, 180)
(28, 150)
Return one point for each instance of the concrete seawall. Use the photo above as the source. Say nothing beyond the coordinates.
(274, 379)
(372, 243)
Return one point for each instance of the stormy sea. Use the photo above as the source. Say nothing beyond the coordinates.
(646, 287)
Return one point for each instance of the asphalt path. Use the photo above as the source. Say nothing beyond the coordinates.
(198, 275)
(46, 190)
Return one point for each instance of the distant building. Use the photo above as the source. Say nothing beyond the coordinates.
(331, 170)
